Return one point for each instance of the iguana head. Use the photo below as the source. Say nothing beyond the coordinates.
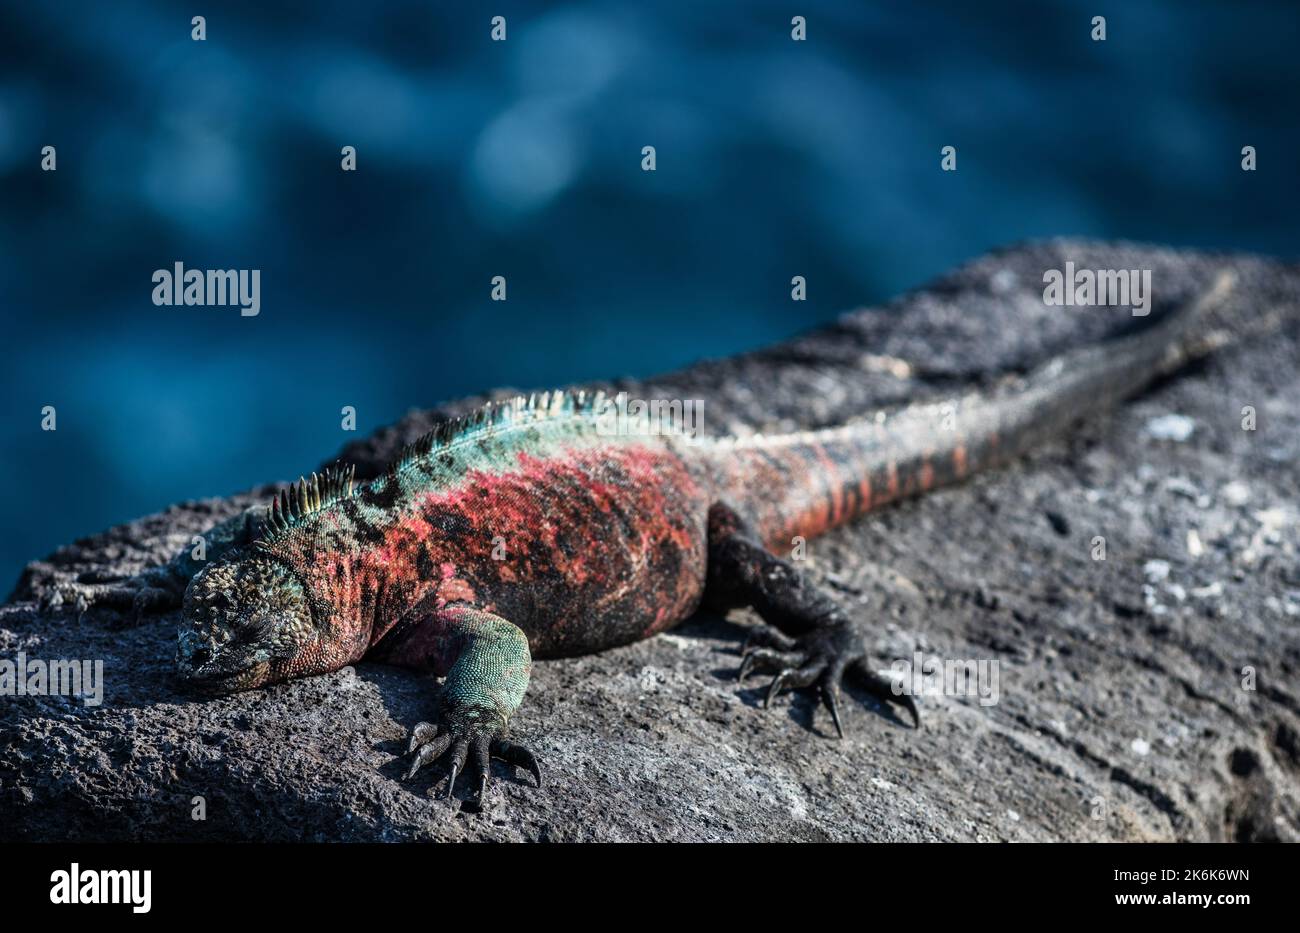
(245, 623)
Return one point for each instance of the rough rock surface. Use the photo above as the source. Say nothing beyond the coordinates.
(1122, 711)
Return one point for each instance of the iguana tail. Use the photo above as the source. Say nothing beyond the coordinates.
(803, 484)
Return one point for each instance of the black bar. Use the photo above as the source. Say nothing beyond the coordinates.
(299, 882)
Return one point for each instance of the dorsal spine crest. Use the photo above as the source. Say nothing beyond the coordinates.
(497, 417)
(306, 497)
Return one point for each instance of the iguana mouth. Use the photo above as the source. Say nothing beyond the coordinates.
(214, 677)
(212, 666)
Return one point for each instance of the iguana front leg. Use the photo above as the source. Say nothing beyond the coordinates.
(817, 643)
(154, 590)
(486, 662)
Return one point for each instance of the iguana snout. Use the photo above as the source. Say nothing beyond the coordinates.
(245, 623)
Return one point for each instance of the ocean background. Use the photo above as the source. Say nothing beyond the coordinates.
(522, 158)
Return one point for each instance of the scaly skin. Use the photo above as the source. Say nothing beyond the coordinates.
(532, 531)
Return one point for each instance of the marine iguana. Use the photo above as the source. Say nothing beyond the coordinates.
(529, 529)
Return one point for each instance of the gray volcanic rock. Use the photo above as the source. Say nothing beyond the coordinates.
(1149, 696)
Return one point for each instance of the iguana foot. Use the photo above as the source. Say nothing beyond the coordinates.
(486, 663)
(812, 642)
(818, 659)
(133, 598)
(468, 735)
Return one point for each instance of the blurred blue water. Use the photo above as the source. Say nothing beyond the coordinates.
(522, 158)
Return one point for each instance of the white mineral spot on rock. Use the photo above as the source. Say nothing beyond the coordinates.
(1156, 570)
(1004, 280)
(1235, 493)
(1170, 428)
(1209, 591)
(882, 783)
(899, 369)
(1194, 546)
(1015, 817)
(1141, 746)
(1271, 522)
(793, 799)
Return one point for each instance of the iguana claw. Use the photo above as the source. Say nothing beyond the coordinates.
(132, 598)
(476, 745)
(764, 656)
(822, 657)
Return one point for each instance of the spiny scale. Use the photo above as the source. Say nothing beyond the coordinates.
(305, 497)
(500, 415)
